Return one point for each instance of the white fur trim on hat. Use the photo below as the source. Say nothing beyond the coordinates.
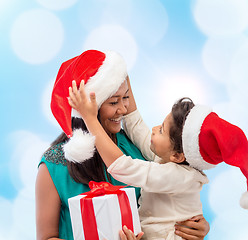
(108, 78)
(190, 137)
(244, 200)
(75, 113)
(80, 147)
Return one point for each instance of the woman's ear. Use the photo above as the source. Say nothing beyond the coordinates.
(177, 157)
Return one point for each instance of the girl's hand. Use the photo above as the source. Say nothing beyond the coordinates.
(195, 228)
(127, 234)
(79, 101)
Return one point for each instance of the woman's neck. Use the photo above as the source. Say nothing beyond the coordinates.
(113, 137)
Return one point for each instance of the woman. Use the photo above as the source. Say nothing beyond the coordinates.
(68, 165)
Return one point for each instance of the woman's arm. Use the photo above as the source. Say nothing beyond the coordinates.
(47, 206)
(135, 127)
(132, 104)
(195, 228)
(139, 133)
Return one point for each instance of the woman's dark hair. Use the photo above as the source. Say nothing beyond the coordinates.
(180, 111)
(92, 169)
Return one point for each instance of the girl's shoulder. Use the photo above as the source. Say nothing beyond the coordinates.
(55, 154)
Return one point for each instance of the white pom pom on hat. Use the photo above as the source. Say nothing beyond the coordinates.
(80, 140)
(209, 140)
(103, 73)
(244, 200)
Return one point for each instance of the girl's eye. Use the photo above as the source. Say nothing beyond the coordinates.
(126, 97)
(160, 129)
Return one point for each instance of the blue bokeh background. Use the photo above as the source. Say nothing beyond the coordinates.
(173, 48)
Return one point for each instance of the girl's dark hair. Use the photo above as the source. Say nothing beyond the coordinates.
(92, 169)
(180, 111)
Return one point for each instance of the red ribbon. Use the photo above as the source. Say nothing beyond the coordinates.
(87, 209)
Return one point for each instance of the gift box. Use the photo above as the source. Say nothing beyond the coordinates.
(102, 212)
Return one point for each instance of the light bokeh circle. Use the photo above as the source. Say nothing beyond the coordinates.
(37, 36)
(229, 184)
(176, 86)
(220, 228)
(218, 53)
(46, 101)
(57, 4)
(116, 38)
(239, 72)
(224, 195)
(149, 27)
(26, 155)
(6, 209)
(221, 17)
(24, 212)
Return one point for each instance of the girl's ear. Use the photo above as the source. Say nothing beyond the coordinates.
(177, 157)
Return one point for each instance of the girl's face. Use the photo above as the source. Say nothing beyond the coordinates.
(113, 109)
(161, 143)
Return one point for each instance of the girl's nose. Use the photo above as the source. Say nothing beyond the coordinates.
(154, 129)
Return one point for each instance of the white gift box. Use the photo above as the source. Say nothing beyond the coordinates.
(107, 215)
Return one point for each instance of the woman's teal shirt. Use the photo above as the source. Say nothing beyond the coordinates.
(67, 187)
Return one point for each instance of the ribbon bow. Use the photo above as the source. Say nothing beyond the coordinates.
(87, 209)
(102, 188)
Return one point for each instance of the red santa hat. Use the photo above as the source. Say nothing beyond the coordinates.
(103, 73)
(209, 140)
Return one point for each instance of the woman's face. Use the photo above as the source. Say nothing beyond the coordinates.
(113, 109)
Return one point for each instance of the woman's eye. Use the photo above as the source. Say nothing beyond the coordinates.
(126, 97)
(113, 103)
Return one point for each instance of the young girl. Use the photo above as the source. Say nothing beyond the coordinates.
(170, 188)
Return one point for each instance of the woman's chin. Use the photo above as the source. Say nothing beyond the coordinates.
(115, 129)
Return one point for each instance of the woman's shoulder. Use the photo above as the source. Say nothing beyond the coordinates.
(122, 139)
(55, 154)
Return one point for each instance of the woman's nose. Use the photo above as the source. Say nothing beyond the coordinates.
(122, 109)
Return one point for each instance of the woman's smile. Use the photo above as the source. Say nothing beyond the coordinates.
(116, 120)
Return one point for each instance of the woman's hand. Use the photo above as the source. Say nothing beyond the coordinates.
(195, 228)
(80, 102)
(127, 234)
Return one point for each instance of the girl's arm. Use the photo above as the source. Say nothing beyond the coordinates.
(88, 110)
(47, 206)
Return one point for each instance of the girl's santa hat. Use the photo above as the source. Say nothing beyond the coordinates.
(209, 140)
(103, 73)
